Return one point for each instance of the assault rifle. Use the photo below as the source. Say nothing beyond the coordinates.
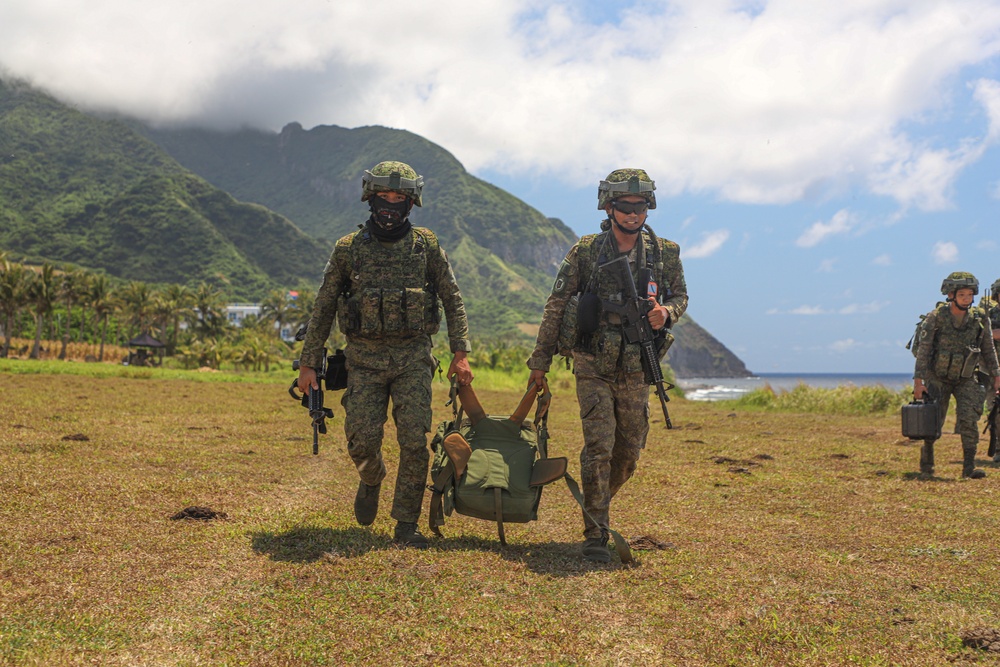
(991, 426)
(637, 329)
(332, 373)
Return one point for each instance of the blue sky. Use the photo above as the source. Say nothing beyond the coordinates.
(823, 165)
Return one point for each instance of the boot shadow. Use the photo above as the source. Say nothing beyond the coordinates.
(924, 477)
(307, 544)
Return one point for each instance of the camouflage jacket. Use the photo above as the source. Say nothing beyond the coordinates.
(386, 294)
(579, 272)
(992, 309)
(949, 352)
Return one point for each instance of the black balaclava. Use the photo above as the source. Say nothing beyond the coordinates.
(389, 222)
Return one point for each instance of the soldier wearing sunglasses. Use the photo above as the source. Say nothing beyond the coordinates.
(610, 384)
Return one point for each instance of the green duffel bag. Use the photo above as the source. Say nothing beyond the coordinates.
(494, 468)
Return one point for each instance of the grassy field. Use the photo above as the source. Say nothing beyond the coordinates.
(791, 539)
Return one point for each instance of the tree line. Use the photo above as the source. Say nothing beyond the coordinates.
(69, 304)
(66, 304)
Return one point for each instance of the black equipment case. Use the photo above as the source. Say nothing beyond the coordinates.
(921, 420)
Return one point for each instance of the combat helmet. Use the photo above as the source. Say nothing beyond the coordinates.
(995, 287)
(957, 280)
(392, 176)
(626, 182)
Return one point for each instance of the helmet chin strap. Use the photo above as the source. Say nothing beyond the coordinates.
(623, 230)
(954, 300)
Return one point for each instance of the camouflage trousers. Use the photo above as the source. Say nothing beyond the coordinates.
(991, 398)
(615, 417)
(366, 402)
(969, 396)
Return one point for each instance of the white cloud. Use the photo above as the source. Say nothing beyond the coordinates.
(841, 223)
(826, 266)
(851, 309)
(709, 245)
(788, 101)
(807, 310)
(882, 260)
(945, 252)
(845, 345)
(863, 308)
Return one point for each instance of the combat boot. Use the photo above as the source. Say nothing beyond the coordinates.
(366, 503)
(969, 469)
(408, 535)
(596, 549)
(927, 459)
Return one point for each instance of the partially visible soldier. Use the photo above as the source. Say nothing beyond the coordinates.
(956, 341)
(991, 304)
(610, 384)
(383, 284)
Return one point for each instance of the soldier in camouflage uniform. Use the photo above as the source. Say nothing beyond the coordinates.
(991, 304)
(955, 354)
(384, 284)
(610, 384)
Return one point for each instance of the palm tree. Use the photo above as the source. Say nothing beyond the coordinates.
(103, 302)
(301, 308)
(15, 284)
(85, 278)
(179, 299)
(161, 310)
(211, 306)
(70, 285)
(136, 302)
(276, 307)
(42, 296)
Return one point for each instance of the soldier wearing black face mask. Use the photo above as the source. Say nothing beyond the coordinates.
(385, 284)
(389, 220)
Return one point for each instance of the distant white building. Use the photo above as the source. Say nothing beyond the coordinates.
(237, 312)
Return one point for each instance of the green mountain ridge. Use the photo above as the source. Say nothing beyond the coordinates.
(504, 251)
(93, 192)
(253, 210)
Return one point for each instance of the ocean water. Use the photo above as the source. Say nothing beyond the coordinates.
(720, 389)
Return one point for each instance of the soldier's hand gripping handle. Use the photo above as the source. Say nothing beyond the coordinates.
(307, 379)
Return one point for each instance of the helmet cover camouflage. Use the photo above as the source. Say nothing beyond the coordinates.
(957, 280)
(622, 182)
(392, 176)
(995, 287)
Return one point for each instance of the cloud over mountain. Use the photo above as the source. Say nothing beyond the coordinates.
(757, 101)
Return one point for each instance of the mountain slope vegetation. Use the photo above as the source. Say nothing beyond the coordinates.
(252, 210)
(93, 192)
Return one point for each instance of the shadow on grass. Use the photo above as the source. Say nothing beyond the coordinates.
(923, 477)
(557, 559)
(306, 544)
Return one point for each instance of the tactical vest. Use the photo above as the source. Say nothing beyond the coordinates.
(607, 344)
(956, 348)
(389, 294)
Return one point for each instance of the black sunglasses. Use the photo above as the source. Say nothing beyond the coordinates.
(630, 207)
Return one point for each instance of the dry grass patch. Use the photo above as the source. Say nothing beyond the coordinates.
(822, 550)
